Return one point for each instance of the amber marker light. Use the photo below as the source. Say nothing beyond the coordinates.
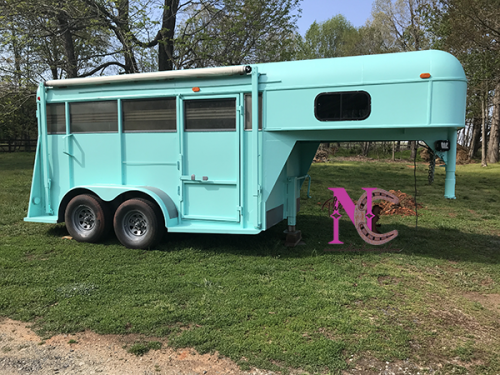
(425, 75)
(196, 89)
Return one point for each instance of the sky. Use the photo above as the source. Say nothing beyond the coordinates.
(355, 11)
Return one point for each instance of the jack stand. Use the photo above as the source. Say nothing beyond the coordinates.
(293, 236)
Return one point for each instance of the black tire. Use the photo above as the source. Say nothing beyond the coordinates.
(87, 218)
(138, 224)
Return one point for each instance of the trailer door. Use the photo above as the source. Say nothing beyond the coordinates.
(210, 148)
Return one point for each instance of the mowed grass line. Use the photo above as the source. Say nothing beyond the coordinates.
(264, 305)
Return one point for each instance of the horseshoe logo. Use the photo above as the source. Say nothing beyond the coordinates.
(361, 216)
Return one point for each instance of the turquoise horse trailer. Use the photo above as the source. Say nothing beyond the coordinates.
(225, 150)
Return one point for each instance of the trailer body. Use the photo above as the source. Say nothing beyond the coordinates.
(226, 150)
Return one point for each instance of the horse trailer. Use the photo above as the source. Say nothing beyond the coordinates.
(225, 150)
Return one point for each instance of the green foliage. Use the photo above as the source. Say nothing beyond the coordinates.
(18, 120)
(335, 37)
(141, 348)
(47, 37)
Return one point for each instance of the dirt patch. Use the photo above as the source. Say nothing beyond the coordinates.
(23, 352)
(455, 317)
(375, 366)
(489, 301)
(388, 280)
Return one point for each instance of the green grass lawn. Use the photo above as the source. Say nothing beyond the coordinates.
(437, 301)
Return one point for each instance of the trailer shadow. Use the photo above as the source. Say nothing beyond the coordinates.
(440, 243)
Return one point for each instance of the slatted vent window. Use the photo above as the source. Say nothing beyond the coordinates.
(94, 117)
(342, 106)
(149, 115)
(56, 119)
(210, 114)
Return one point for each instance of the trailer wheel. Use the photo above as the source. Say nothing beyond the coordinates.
(87, 218)
(138, 224)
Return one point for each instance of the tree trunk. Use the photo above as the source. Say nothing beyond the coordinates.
(69, 47)
(17, 57)
(166, 44)
(130, 61)
(484, 162)
(413, 147)
(476, 134)
(366, 148)
(492, 154)
(393, 151)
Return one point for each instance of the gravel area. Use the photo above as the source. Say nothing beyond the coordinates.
(23, 352)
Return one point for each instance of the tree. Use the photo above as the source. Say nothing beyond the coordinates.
(61, 36)
(241, 32)
(470, 30)
(403, 23)
(403, 28)
(335, 37)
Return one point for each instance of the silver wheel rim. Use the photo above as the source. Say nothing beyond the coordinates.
(135, 224)
(84, 219)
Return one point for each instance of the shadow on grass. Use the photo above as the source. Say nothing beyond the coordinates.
(443, 243)
(440, 243)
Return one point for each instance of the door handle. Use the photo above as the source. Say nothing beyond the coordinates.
(193, 178)
(66, 139)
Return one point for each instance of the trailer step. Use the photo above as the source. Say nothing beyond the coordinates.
(194, 226)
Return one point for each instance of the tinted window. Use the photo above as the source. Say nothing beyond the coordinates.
(94, 117)
(248, 112)
(149, 115)
(210, 114)
(342, 106)
(56, 119)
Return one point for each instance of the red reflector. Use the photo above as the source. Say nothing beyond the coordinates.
(196, 89)
(38, 98)
(425, 75)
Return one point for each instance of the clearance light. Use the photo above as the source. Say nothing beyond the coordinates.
(425, 75)
(442, 145)
(38, 98)
(196, 89)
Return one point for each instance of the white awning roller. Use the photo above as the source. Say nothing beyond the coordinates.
(166, 75)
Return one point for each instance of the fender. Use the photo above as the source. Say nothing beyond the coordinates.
(110, 192)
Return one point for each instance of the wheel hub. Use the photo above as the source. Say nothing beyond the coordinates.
(136, 224)
(85, 218)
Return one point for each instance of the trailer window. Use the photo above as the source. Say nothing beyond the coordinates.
(56, 119)
(210, 114)
(342, 106)
(149, 115)
(248, 111)
(94, 117)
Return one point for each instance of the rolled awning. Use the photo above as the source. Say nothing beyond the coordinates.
(155, 76)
